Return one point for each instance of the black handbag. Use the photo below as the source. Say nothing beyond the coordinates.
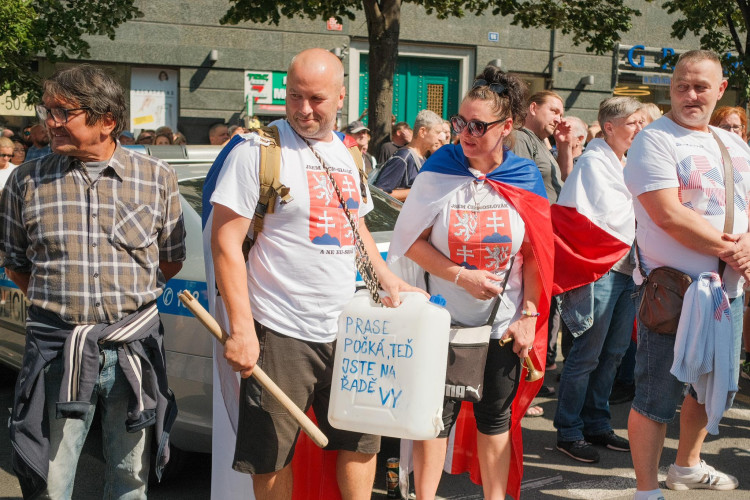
(467, 354)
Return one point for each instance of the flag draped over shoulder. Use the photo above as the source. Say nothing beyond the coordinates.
(314, 469)
(520, 183)
(593, 219)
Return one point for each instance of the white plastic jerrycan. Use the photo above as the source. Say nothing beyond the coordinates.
(389, 367)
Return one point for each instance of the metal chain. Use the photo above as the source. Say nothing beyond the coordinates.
(364, 266)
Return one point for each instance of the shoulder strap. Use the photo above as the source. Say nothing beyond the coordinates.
(269, 175)
(728, 192)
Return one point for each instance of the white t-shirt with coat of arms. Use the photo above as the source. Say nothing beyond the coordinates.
(301, 271)
(479, 229)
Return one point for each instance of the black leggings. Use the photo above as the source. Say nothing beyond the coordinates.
(501, 378)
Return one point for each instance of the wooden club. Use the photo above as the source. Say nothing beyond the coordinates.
(212, 326)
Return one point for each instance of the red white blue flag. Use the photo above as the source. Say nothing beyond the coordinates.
(593, 219)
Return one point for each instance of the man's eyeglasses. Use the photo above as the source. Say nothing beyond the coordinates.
(731, 128)
(476, 128)
(3, 155)
(59, 115)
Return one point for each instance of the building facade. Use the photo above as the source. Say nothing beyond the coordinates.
(185, 70)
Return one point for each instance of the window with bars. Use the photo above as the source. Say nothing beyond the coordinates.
(435, 98)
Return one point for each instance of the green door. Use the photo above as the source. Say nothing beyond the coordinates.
(419, 83)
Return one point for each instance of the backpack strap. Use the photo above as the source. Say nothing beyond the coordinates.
(269, 175)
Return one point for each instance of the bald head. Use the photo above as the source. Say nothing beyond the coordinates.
(319, 61)
(314, 93)
(39, 136)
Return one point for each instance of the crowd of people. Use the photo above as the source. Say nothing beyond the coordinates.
(540, 239)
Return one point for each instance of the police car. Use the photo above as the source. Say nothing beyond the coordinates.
(188, 345)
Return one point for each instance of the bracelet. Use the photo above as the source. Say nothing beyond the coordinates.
(531, 314)
(455, 280)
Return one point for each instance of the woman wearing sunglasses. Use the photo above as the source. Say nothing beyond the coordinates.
(6, 153)
(477, 212)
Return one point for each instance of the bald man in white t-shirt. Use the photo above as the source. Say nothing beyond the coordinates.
(283, 305)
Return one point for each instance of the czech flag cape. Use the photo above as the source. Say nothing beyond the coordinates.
(314, 469)
(520, 183)
(593, 219)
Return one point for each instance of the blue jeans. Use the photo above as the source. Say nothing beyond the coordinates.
(657, 391)
(626, 372)
(589, 371)
(126, 454)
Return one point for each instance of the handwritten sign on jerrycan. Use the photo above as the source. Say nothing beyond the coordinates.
(389, 367)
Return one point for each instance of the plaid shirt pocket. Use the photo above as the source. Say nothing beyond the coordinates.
(133, 227)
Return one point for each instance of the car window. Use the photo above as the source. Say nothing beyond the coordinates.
(381, 218)
(192, 190)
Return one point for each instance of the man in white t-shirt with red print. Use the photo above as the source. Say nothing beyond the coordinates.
(676, 175)
(283, 305)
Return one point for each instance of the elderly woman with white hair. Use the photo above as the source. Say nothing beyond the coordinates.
(594, 229)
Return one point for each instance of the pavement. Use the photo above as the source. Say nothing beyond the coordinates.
(547, 472)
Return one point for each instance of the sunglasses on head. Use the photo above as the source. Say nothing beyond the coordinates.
(476, 128)
(497, 88)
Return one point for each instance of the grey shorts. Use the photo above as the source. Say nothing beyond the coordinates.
(266, 433)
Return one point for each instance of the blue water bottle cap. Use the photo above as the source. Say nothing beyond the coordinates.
(438, 300)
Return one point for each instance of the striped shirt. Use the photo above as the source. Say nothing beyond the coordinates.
(92, 247)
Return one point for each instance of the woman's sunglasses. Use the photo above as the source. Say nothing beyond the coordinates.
(477, 128)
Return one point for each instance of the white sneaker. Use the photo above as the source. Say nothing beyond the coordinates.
(707, 478)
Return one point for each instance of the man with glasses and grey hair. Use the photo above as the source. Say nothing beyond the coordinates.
(399, 172)
(90, 233)
(579, 131)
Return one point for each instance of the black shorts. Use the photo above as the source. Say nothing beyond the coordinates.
(501, 378)
(266, 433)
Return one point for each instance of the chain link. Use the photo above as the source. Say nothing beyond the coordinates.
(364, 266)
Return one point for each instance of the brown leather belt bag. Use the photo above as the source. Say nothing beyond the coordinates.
(661, 305)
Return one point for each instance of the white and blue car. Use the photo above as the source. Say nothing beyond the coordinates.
(188, 344)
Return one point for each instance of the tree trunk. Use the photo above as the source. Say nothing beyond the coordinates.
(383, 26)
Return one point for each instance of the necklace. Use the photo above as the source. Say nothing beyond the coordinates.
(475, 187)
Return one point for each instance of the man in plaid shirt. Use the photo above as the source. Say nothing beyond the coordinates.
(91, 233)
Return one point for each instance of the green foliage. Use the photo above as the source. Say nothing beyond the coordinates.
(53, 29)
(722, 26)
(596, 23)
